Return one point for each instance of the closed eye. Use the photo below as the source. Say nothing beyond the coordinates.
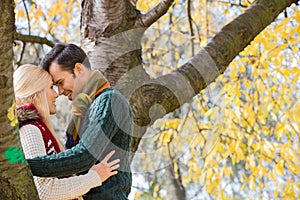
(59, 82)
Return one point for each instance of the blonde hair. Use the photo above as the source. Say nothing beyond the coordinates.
(30, 84)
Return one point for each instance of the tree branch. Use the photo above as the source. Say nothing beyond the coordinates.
(28, 19)
(154, 14)
(191, 26)
(234, 4)
(33, 39)
(21, 54)
(167, 93)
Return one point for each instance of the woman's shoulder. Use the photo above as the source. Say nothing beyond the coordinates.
(29, 131)
(29, 128)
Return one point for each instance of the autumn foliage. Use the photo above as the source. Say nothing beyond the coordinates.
(237, 139)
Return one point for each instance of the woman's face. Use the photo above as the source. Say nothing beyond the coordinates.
(51, 97)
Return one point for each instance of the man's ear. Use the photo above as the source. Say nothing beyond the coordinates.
(77, 68)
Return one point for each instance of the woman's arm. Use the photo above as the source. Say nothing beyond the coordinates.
(54, 188)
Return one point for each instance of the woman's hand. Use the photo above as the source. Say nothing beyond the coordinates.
(107, 169)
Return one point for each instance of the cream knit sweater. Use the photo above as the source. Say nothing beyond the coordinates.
(54, 188)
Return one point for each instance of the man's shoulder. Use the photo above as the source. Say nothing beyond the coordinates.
(110, 91)
(108, 95)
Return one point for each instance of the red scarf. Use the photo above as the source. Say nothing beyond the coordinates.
(50, 142)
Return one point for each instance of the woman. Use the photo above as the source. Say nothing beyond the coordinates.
(35, 99)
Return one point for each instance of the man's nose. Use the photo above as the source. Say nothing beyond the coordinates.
(60, 90)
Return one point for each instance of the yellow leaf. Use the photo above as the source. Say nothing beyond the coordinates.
(138, 195)
(175, 167)
(201, 178)
(11, 115)
(280, 167)
(227, 171)
(268, 149)
(276, 193)
(233, 73)
(255, 72)
(165, 136)
(172, 123)
(209, 174)
(294, 168)
(247, 84)
(272, 174)
(155, 190)
(270, 46)
(220, 148)
(242, 187)
(142, 5)
(210, 186)
(39, 12)
(285, 21)
(250, 140)
(256, 147)
(242, 68)
(265, 130)
(240, 154)
(32, 8)
(279, 130)
(237, 101)
(252, 183)
(251, 160)
(20, 13)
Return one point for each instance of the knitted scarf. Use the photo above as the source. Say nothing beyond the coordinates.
(96, 84)
(28, 114)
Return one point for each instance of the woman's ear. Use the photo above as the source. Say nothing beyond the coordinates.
(77, 69)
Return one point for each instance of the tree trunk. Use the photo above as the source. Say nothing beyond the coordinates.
(111, 32)
(15, 180)
(175, 189)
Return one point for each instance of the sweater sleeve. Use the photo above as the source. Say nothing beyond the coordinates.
(96, 135)
(54, 188)
(71, 161)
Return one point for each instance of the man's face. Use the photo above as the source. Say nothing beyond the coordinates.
(63, 79)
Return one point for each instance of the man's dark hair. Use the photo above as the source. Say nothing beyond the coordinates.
(66, 55)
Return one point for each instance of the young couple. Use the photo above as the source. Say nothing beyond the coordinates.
(100, 129)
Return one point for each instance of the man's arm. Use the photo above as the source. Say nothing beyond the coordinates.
(74, 160)
(103, 125)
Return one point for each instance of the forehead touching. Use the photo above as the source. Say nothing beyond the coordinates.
(50, 82)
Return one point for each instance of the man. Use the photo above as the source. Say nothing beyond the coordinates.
(102, 122)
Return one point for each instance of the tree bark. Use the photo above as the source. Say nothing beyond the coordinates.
(15, 180)
(111, 46)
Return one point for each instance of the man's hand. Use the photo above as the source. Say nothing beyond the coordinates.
(107, 169)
